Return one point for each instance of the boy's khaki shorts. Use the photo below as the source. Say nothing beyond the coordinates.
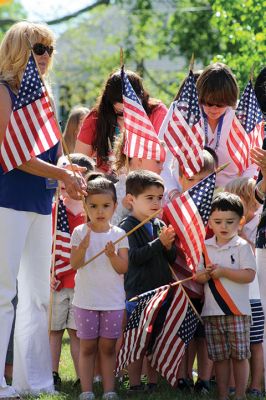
(227, 337)
(62, 316)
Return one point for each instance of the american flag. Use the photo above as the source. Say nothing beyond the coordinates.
(139, 327)
(189, 215)
(178, 329)
(62, 242)
(32, 128)
(247, 129)
(182, 130)
(141, 140)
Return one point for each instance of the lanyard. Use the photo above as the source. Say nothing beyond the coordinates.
(219, 130)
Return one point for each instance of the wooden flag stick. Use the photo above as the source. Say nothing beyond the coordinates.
(65, 147)
(185, 293)
(136, 298)
(219, 169)
(251, 74)
(122, 237)
(53, 263)
(121, 57)
(191, 64)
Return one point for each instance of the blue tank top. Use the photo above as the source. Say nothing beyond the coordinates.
(23, 191)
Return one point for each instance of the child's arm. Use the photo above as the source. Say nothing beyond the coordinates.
(77, 256)
(246, 275)
(118, 260)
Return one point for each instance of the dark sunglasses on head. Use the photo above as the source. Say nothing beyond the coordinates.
(39, 49)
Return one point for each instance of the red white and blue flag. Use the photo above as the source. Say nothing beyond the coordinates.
(189, 215)
(139, 327)
(62, 242)
(32, 128)
(178, 329)
(160, 327)
(141, 140)
(247, 129)
(182, 131)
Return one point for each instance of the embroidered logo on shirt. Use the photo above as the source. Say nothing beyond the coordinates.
(232, 259)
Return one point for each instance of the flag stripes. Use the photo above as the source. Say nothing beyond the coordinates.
(32, 128)
(141, 140)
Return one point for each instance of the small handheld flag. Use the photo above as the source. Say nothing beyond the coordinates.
(141, 138)
(247, 129)
(32, 128)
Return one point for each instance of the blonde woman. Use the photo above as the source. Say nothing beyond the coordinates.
(25, 225)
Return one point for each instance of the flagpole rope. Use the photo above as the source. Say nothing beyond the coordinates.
(53, 263)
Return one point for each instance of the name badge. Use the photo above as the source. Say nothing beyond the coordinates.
(51, 183)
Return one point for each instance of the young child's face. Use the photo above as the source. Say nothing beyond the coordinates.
(225, 225)
(100, 209)
(213, 112)
(147, 202)
(187, 183)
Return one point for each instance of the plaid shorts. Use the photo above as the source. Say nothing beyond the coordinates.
(227, 337)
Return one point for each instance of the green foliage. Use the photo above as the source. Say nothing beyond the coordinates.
(152, 33)
(242, 31)
(10, 11)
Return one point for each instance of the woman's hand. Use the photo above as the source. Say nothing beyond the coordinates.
(258, 156)
(74, 184)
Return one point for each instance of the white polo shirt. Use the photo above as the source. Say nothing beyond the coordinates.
(236, 254)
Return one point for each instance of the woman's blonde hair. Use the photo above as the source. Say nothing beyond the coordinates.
(15, 49)
(244, 187)
(120, 158)
(75, 118)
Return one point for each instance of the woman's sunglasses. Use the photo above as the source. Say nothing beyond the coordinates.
(39, 49)
(214, 105)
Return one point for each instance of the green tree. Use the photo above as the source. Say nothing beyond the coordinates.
(242, 32)
(9, 12)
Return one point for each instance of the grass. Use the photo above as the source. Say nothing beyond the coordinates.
(66, 371)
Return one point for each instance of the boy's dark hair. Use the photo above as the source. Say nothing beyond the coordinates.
(83, 161)
(138, 181)
(98, 184)
(225, 201)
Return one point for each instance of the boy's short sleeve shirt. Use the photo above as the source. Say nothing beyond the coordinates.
(236, 254)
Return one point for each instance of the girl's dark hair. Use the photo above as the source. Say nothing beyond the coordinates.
(106, 116)
(225, 201)
(98, 184)
(260, 89)
(217, 85)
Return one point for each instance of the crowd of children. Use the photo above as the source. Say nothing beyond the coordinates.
(139, 263)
